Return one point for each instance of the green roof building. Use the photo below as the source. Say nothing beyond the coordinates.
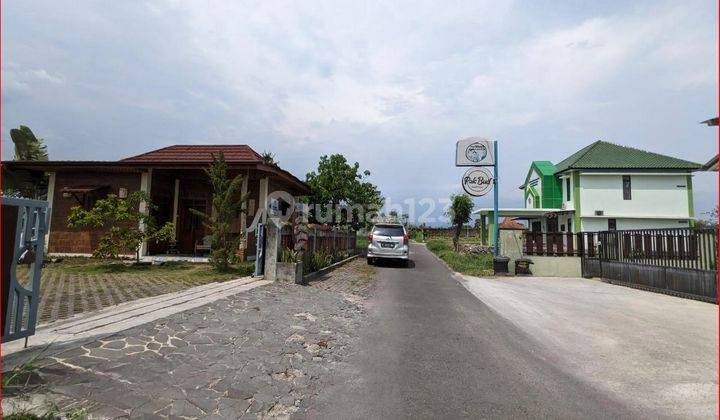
(606, 186)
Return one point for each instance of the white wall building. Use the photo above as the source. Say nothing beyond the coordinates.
(605, 186)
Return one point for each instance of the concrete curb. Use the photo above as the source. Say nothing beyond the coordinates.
(331, 267)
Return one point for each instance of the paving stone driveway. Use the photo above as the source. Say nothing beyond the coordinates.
(265, 352)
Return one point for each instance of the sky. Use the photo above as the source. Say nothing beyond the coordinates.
(391, 85)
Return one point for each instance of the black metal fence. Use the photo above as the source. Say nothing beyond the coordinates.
(681, 262)
(687, 248)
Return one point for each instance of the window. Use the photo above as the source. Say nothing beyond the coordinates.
(612, 224)
(569, 225)
(627, 193)
(567, 189)
(388, 230)
(562, 228)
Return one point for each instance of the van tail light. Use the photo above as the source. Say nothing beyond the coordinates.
(369, 237)
(406, 240)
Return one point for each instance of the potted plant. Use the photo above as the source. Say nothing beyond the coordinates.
(290, 267)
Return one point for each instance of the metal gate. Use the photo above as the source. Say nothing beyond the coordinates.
(677, 261)
(589, 248)
(24, 225)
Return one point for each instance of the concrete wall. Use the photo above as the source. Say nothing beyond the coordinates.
(662, 196)
(272, 247)
(511, 247)
(595, 224)
(567, 200)
(555, 266)
(511, 244)
(528, 202)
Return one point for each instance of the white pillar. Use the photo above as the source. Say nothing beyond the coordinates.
(272, 247)
(176, 200)
(262, 202)
(145, 182)
(51, 203)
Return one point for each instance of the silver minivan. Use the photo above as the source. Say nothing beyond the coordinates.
(390, 241)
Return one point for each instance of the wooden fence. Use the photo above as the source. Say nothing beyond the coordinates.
(323, 238)
(560, 244)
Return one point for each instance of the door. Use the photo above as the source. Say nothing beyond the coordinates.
(190, 229)
(552, 225)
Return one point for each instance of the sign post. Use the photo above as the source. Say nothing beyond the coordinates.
(477, 181)
(496, 227)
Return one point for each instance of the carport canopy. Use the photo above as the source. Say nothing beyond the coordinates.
(518, 212)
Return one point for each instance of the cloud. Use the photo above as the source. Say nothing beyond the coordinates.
(392, 85)
(43, 75)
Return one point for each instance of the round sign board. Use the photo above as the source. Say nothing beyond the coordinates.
(476, 152)
(477, 181)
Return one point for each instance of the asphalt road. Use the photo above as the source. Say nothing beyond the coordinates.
(433, 350)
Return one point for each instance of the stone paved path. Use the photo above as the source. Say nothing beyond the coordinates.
(266, 352)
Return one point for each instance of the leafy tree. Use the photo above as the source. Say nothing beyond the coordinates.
(338, 185)
(122, 219)
(24, 183)
(227, 203)
(460, 211)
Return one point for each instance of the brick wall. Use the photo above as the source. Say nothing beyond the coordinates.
(67, 240)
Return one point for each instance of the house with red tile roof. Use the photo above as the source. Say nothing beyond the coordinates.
(511, 223)
(174, 178)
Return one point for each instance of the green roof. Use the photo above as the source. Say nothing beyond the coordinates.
(604, 155)
(550, 192)
(544, 167)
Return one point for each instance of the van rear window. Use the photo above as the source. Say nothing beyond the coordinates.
(388, 230)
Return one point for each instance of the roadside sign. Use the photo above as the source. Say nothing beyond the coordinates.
(477, 181)
(475, 151)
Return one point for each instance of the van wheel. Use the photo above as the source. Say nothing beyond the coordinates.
(406, 263)
(370, 261)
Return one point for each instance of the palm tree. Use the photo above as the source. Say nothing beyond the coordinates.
(25, 183)
(27, 146)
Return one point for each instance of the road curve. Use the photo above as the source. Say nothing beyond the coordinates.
(433, 350)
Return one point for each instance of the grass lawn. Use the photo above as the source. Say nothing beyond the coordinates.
(77, 285)
(471, 264)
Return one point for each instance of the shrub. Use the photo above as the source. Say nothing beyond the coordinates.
(471, 264)
(122, 219)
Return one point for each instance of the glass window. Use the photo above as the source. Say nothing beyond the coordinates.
(388, 230)
(567, 189)
(627, 193)
(612, 224)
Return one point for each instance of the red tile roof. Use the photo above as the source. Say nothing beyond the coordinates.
(234, 153)
(510, 223)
